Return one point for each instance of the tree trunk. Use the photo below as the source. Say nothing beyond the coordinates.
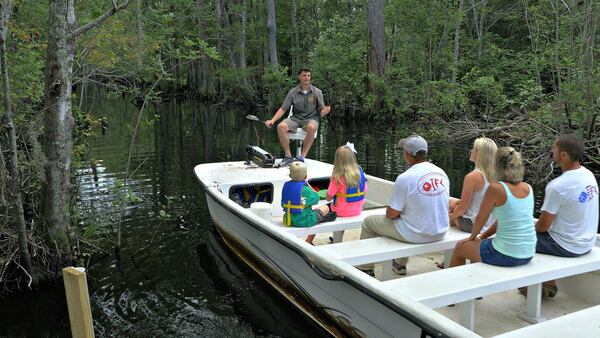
(272, 27)
(229, 40)
(139, 33)
(243, 62)
(555, 6)
(391, 56)
(259, 38)
(207, 86)
(534, 43)
(13, 168)
(219, 20)
(295, 39)
(589, 37)
(376, 33)
(376, 40)
(315, 13)
(58, 122)
(58, 118)
(220, 49)
(478, 20)
(457, 40)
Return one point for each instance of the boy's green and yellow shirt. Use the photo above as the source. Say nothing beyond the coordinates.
(307, 217)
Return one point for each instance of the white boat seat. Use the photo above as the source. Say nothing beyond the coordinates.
(340, 223)
(461, 285)
(298, 137)
(380, 249)
(299, 134)
(583, 323)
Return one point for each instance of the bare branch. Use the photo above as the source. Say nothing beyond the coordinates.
(115, 8)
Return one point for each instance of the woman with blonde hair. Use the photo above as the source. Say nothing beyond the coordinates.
(510, 200)
(464, 211)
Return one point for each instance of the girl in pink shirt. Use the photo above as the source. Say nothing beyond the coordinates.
(347, 185)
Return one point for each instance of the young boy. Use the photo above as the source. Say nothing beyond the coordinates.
(297, 198)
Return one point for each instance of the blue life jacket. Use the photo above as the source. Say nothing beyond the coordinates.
(291, 198)
(355, 194)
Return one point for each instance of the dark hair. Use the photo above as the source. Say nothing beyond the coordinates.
(303, 69)
(572, 145)
(420, 156)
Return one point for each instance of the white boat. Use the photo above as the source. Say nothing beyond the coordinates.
(323, 282)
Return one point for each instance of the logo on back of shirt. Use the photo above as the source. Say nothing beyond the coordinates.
(433, 184)
(588, 194)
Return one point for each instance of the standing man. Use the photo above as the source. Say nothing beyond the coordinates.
(418, 210)
(309, 107)
(569, 216)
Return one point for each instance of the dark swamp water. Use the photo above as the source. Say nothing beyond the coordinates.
(175, 277)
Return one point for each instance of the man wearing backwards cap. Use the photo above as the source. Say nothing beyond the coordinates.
(418, 209)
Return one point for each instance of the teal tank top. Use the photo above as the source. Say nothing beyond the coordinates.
(515, 234)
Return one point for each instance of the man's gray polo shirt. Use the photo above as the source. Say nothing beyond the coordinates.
(306, 106)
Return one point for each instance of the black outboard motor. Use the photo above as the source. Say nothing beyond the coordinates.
(260, 157)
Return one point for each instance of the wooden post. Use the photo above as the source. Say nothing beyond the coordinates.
(78, 301)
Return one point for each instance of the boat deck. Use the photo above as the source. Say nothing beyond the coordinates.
(495, 314)
(232, 173)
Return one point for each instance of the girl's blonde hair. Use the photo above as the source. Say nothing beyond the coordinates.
(486, 153)
(509, 166)
(345, 166)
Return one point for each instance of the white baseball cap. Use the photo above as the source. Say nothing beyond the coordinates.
(413, 144)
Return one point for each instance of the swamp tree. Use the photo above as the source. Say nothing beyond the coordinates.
(13, 167)
(376, 39)
(205, 70)
(272, 28)
(58, 118)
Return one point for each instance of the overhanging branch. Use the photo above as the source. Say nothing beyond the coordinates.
(115, 8)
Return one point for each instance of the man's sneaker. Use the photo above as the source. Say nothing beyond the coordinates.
(399, 269)
(286, 161)
(369, 272)
(549, 290)
(330, 217)
(300, 158)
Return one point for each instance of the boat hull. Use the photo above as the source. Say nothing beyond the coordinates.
(331, 300)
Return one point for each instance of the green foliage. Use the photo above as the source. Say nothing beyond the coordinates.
(26, 68)
(276, 84)
(486, 95)
(445, 99)
(339, 62)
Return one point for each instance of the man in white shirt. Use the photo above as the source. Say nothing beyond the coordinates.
(569, 216)
(418, 210)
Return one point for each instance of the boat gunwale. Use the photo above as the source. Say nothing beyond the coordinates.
(427, 328)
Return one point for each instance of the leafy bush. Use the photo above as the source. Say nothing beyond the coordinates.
(486, 95)
(339, 62)
(276, 84)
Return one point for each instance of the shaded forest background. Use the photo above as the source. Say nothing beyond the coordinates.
(520, 71)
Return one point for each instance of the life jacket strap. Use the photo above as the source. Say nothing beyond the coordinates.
(356, 194)
(289, 206)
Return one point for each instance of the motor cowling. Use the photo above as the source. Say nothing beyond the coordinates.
(260, 157)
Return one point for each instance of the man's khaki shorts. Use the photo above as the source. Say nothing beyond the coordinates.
(295, 124)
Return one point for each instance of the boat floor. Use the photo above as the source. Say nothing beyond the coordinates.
(495, 314)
